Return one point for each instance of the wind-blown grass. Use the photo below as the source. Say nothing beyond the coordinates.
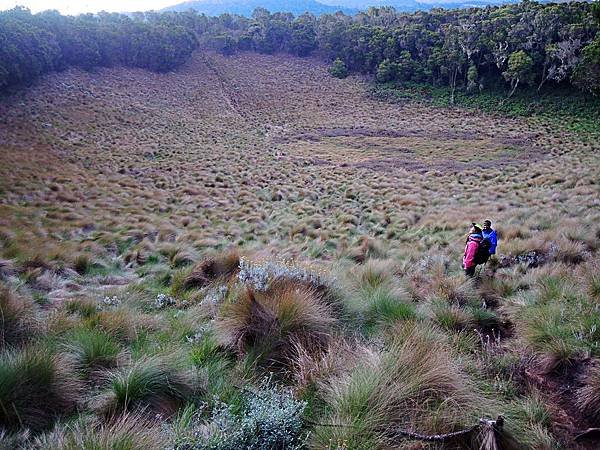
(127, 432)
(90, 350)
(413, 384)
(35, 388)
(266, 156)
(267, 324)
(18, 319)
(155, 384)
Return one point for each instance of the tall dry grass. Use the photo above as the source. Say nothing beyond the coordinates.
(269, 324)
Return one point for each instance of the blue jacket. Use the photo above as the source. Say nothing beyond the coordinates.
(491, 235)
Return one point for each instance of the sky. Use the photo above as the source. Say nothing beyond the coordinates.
(76, 7)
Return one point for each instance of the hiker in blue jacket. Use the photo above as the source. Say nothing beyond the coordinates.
(490, 234)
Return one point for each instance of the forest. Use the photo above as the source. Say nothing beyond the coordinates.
(527, 45)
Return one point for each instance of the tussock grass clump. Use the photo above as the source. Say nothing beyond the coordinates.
(90, 350)
(588, 396)
(451, 317)
(452, 289)
(414, 384)
(268, 323)
(127, 432)
(35, 388)
(556, 320)
(365, 249)
(156, 384)
(18, 321)
(589, 278)
(569, 252)
(376, 296)
(82, 263)
(122, 323)
(550, 337)
(7, 268)
(529, 419)
(213, 268)
(84, 307)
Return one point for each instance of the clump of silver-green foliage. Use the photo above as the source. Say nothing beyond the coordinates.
(259, 276)
(270, 418)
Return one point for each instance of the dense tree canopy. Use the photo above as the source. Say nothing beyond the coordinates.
(527, 44)
(31, 45)
(519, 45)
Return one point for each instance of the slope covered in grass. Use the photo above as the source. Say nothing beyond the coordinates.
(249, 252)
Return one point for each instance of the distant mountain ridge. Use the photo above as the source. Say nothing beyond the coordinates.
(245, 7)
(297, 7)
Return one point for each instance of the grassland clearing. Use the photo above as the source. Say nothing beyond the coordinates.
(129, 200)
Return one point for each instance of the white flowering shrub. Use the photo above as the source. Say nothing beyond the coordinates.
(215, 295)
(260, 275)
(162, 301)
(111, 301)
(271, 419)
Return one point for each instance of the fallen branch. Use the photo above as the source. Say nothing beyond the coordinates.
(483, 425)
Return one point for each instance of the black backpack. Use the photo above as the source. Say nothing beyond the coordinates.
(483, 251)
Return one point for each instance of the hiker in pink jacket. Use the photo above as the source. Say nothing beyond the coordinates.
(473, 240)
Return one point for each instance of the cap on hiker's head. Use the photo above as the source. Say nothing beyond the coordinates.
(476, 225)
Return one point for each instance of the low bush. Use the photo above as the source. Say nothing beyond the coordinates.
(269, 418)
(338, 69)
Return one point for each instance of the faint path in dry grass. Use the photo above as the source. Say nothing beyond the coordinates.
(228, 99)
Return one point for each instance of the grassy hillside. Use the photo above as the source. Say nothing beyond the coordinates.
(249, 253)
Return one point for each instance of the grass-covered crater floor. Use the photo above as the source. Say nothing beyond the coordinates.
(248, 253)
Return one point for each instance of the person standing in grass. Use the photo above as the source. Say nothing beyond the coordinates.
(490, 234)
(473, 241)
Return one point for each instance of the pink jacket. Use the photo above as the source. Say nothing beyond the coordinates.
(470, 249)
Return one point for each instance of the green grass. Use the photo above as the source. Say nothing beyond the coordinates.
(375, 197)
(564, 107)
(128, 432)
(35, 388)
(92, 349)
(157, 383)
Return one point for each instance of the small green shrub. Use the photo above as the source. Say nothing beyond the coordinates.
(270, 419)
(338, 69)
